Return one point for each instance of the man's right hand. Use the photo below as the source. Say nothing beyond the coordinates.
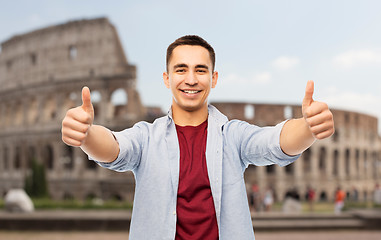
(78, 121)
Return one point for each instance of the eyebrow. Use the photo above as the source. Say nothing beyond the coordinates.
(202, 66)
(180, 65)
(183, 65)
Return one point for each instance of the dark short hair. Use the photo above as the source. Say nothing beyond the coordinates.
(192, 40)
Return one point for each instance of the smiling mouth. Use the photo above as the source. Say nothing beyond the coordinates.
(191, 91)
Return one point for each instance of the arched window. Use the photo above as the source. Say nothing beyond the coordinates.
(347, 162)
(323, 196)
(288, 112)
(357, 157)
(73, 52)
(17, 161)
(270, 169)
(91, 165)
(5, 158)
(68, 157)
(119, 97)
(289, 169)
(48, 157)
(249, 112)
(307, 161)
(96, 96)
(31, 156)
(335, 136)
(335, 170)
(322, 159)
(374, 164)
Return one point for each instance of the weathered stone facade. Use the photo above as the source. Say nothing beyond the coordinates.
(41, 76)
(351, 158)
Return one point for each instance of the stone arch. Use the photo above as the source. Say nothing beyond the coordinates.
(32, 111)
(347, 161)
(31, 156)
(270, 169)
(119, 97)
(117, 196)
(68, 157)
(366, 165)
(96, 96)
(288, 112)
(357, 159)
(374, 164)
(307, 160)
(18, 114)
(335, 168)
(96, 99)
(336, 136)
(17, 158)
(90, 164)
(290, 168)
(50, 109)
(6, 158)
(249, 111)
(323, 196)
(73, 52)
(2, 107)
(322, 159)
(47, 157)
(8, 115)
(71, 99)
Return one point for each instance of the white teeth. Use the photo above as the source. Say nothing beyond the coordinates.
(191, 92)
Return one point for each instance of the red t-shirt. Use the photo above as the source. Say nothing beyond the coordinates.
(196, 216)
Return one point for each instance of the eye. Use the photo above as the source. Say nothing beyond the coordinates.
(180, 70)
(201, 70)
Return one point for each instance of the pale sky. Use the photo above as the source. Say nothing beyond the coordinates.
(265, 50)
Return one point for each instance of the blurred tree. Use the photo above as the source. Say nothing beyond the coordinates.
(35, 182)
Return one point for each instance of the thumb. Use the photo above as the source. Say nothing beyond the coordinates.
(308, 95)
(87, 106)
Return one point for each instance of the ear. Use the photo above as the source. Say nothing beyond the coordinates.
(166, 79)
(214, 79)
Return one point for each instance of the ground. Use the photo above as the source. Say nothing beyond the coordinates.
(310, 235)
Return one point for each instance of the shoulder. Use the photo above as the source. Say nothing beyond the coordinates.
(158, 127)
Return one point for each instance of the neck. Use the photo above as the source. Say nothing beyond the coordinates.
(182, 117)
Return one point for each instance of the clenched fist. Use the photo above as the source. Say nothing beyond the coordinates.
(78, 121)
(317, 115)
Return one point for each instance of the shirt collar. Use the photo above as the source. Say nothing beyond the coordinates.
(214, 115)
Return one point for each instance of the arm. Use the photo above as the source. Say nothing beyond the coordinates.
(78, 131)
(317, 123)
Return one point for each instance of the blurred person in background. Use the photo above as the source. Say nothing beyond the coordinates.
(339, 200)
(311, 198)
(377, 194)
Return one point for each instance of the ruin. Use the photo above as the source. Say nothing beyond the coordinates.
(41, 76)
(351, 158)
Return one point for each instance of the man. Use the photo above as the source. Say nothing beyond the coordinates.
(189, 164)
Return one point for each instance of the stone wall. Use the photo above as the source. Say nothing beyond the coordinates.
(351, 158)
(41, 77)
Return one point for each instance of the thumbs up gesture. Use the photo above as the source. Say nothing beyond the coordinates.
(77, 122)
(317, 115)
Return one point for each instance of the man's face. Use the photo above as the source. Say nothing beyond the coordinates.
(190, 77)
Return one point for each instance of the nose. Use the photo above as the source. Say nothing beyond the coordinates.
(191, 79)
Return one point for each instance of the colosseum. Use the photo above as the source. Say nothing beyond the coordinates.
(41, 76)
